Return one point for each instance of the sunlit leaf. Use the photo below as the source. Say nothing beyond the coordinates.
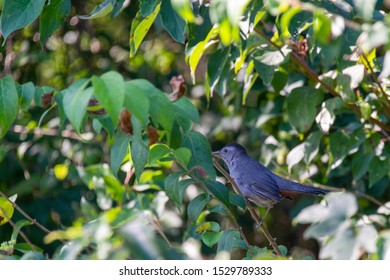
(100, 11)
(139, 28)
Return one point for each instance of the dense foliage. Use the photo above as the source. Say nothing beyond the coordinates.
(109, 111)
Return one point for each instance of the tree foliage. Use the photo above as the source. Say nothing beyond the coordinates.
(106, 150)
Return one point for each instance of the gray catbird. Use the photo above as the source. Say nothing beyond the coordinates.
(256, 182)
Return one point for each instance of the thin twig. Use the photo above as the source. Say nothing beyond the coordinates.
(159, 229)
(18, 230)
(313, 76)
(38, 131)
(375, 77)
(252, 211)
(28, 217)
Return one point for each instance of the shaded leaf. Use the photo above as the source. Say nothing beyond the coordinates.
(215, 66)
(18, 14)
(52, 17)
(196, 206)
(183, 155)
(201, 152)
(172, 22)
(137, 102)
(119, 150)
(157, 152)
(26, 94)
(229, 240)
(75, 101)
(211, 238)
(219, 191)
(311, 146)
(139, 155)
(9, 105)
(378, 168)
(109, 91)
(302, 107)
(237, 200)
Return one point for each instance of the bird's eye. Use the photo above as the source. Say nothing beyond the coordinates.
(225, 151)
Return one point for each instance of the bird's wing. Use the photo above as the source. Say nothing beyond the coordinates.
(262, 182)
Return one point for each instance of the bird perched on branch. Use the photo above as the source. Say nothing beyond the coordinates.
(256, 182)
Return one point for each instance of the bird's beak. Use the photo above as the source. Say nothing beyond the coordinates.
(217, 154)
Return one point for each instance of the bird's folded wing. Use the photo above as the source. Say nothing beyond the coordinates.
(264, 185)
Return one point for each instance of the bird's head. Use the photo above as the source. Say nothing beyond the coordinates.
(230, 152)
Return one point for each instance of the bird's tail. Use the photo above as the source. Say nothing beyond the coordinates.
(290, 188)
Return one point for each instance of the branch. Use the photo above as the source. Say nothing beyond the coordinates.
(313, 76)
(252, 211)
(231, 216)
(18, 230)
(28, 217)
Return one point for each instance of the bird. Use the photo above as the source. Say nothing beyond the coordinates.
(256, 182)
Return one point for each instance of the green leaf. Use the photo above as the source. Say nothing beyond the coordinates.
(341, 143)
(197, 51)
(172, 22)
(146, 7)
(75, 101)
(175, 189)
(266, 72)
(302, 107)
(7, 208)
(378, 168)
(136, 102)
(117, 7)
(183, 155)
(157, 152)
(139, 27)
(360, 163)
(311, 146)
(201, 152)
(215, 66)
(9, 106)
(109, 91)
(119, 150)
(219, 191)
(208, 226)
(237, 200)
(139, 155)
(196, 206)
(210, 238)
(184, 108)
(18, 14)
(26, 94)
(52, 17)
(18, 226)
(114, 188)
(184, 9)
(100, 11)
(229, 240)
(344, 88)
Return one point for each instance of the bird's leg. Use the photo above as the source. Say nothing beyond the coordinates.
(265, 215)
